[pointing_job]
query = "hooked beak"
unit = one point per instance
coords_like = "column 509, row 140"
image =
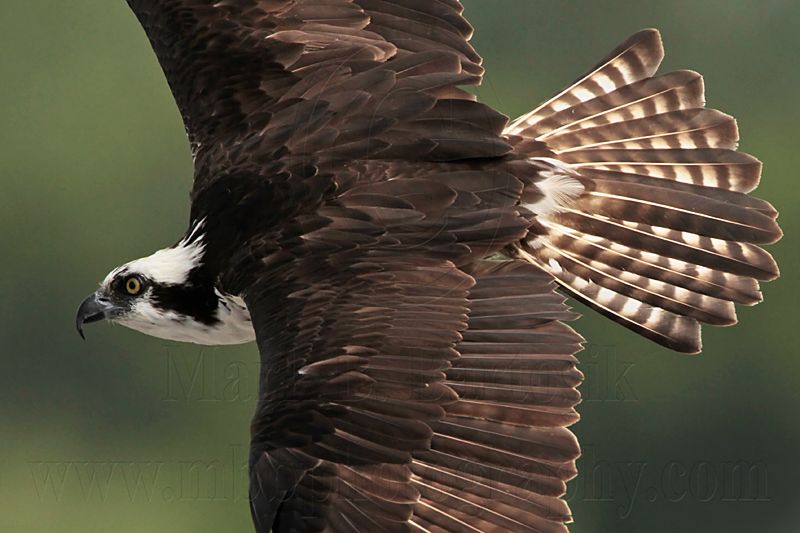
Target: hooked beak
column 92, row 309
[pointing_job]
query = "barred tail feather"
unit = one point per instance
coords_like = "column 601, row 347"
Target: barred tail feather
column 634, row 60
column 650, row 221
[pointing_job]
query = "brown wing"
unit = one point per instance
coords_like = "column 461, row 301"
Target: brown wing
column 358, row 309
column 403, row 394
column 271, row 86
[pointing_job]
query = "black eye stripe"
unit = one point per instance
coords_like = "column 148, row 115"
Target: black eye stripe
column 198, row 302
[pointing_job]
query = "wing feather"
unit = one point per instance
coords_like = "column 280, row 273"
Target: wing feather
column 471, row 426
column 261, row 83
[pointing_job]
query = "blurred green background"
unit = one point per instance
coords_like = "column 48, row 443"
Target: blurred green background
column 129, row 433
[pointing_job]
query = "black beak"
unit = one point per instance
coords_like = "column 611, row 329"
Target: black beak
column 92, row 309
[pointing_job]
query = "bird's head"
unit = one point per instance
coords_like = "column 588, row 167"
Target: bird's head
column 169, row 295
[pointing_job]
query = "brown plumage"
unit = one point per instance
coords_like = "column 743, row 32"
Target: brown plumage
column 397, row 243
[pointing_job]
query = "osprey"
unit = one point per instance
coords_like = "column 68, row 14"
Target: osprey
column 393, row 246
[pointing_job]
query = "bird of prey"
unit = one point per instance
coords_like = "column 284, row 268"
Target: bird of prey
column 392, row 245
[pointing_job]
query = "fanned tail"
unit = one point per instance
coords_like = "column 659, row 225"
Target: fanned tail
column 641, row 200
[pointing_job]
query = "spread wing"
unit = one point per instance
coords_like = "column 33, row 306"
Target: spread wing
column 403, row 394
column 298, row 86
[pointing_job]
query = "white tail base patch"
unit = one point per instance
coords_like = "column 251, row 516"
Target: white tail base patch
column 560, row 186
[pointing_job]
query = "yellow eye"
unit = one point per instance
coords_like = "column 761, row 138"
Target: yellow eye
column 133, row 285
